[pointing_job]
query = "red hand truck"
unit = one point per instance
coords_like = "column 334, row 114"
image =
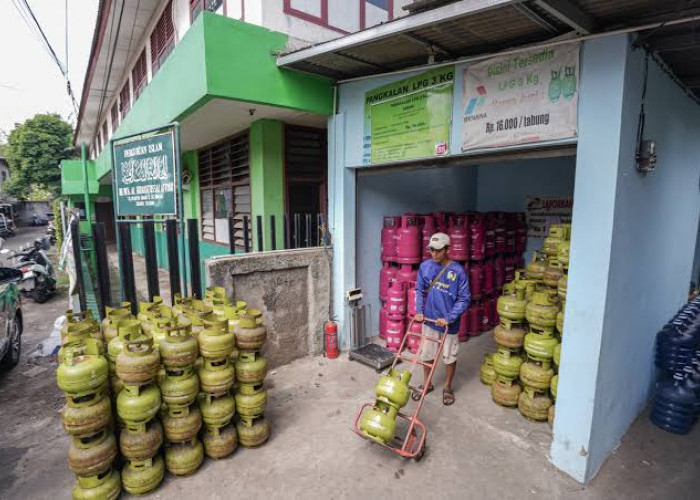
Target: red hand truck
column 412, row 443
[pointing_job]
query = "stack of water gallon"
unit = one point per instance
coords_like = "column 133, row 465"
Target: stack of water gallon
column 520, row 373
column 676, row 403
column 489, row 245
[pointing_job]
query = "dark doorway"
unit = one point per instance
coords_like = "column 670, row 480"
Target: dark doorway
column 104, row 212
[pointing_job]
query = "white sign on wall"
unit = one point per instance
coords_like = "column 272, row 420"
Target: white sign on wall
column 522, row 98
column 542, row 211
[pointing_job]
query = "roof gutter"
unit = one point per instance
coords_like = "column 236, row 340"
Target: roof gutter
column 452, row 11
column 97, row 38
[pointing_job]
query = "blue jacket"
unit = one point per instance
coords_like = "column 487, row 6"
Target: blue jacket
column 448, row 298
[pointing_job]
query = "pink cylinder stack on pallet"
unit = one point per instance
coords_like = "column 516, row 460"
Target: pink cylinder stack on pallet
column 490, row 245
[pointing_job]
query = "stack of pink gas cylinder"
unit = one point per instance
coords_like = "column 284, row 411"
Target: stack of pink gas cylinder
column 490, row 245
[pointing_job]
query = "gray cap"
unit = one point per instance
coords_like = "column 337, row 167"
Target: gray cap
column 438, row 241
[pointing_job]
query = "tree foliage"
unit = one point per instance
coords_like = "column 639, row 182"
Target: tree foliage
column 35, row 149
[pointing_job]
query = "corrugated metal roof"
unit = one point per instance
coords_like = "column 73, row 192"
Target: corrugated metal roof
column 497, row 25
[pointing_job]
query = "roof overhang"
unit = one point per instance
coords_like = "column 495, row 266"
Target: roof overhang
column 471, row 28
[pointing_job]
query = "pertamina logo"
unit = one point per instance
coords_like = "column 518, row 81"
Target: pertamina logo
column 474, row 104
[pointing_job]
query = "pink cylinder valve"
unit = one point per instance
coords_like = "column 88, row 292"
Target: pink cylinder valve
column 409, row 243
column 390, row 228
column 386, row 276
column 459, row 239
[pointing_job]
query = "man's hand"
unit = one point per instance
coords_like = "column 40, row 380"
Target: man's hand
column 418, row 318
column 441, row 322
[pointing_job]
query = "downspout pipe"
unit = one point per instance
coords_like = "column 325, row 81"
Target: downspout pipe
column 86, row 194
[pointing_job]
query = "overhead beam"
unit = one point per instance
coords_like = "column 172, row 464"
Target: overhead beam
column 429, row 44
column 360, row 61
column 449, row 12
column 535, row 18
column 568, row 13
column 674, row 42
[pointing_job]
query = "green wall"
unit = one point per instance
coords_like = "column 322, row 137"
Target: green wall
column 267, row 178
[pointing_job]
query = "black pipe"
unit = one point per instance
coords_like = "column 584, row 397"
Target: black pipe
column 287, row 244
column 149, row 242
column 246, row 235
column 259, row 222
column 232, row 234
column 173, row 258
column 103, row 282
column 126, row 262
column 307, row 239
column 273, row 233
column 195, row 269
column 75, row 237
column 297, row 231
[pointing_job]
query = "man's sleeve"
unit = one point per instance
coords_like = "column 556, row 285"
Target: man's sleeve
column 421, row 285
column 463, row 300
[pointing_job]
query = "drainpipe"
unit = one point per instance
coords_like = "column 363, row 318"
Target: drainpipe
column 86, row 194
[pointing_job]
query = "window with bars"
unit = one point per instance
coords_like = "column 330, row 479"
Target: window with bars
column 306, row 169
column 114, row 115
column 224, row 181
column 139, row 75
column 197, row 6
column 162, row 38
column 125, row 99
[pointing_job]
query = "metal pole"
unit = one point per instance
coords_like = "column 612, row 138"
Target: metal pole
column 173, row 260
column 307, row 238
column 181, row 215
column 287, row 244
column 319, row 221
column 232, row 234
column 258, row 219
column 64, row 228
column 86, row 192
column 126, row 263
column 75, row 237
column 246, row 235
column 273, row 233
column 297, row 231
column 105, row 287
column 149, row 243
column 193, row 237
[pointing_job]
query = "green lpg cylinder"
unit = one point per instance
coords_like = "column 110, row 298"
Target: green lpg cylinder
column 104, row 486
column 137, row 405
column 179, row 387
column 393, row 389
column 113, row 317
column 487, row 374
column 553, row 386
column 216, row 376
column 250, row 332
column 251, row 368
column 535, row 269
column 251, row 400
column 217, row 411
column 81, row 330
column 563, row 253
column 92, row 455
column 86, row 420
column 553, row 273
column 83, row 374
column 542, row 310
column 533, row 404
column 142, row 477
column 557, row 354
column 562, row 286
column 220, row 442
column 215, row 341
column 557, row 234
column 216, row 296
column 505, row 393
column 141, row 446
column 183, row 459
column 379, row 423
column 139, row 362
column 536, row 374
column 507, row 364
column 96, row 345
column 560, row 319
column 178, row 348
column 509, row 335
column 540, row 343
column 512, row 307
column 183, row 426
column 252, row 431
column 158, row 326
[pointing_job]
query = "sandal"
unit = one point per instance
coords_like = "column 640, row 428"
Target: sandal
column 416, row 394
column 448, row 397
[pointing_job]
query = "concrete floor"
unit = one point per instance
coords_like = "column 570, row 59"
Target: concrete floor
column 475, row 448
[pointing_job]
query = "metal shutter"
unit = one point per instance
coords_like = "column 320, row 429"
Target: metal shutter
column 306, row 153
column 138, row 74
column 162, row 38
column 124, row 100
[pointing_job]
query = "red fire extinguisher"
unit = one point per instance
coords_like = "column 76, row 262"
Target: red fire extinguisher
column 331, row 336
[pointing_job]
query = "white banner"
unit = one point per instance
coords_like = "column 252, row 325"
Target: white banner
column 542, row 211
column 523, row 98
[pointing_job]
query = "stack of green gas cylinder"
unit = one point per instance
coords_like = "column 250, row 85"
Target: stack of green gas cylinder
column 392, row 393
column 172, row 373
column 83, row 375
column 531, row 311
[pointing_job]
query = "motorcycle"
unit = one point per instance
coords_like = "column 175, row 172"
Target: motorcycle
column 38, row 276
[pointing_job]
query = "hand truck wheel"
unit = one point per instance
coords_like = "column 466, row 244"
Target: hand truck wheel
column 420, row 454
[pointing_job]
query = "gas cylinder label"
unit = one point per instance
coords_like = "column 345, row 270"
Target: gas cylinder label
column 523, row 98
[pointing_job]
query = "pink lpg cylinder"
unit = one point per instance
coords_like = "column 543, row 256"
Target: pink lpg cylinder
column 462, row 332
column 489, row 278
column 500, row 232
column 489, row 306
column 474, row 319
column 476, row 280
column 520, row 233
column 459, row 239
column 499, row 272
column 409, row 242
column 490, row 236
column 510, row 268
column 428, row 229
column 406, row 274
column 395, row 330
column 477, row 237
column 386, row 277
column 383, row 319
column 390, row 228
column 441, row 221
column 396, row 300
column 412, row 341
column 411, row 299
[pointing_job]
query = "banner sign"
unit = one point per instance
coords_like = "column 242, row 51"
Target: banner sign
column 523, row 98
column 410, row 118
column 542, row 211
column 144, row 176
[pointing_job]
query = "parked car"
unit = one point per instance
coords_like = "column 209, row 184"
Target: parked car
column 10, row 317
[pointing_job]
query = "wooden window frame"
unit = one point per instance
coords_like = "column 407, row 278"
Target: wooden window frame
column 124, row 100
column 139, row 84
column 162, row 38
column 323, row 20
column 202, row 8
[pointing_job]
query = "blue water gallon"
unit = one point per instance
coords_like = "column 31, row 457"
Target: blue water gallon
column 675, row 405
